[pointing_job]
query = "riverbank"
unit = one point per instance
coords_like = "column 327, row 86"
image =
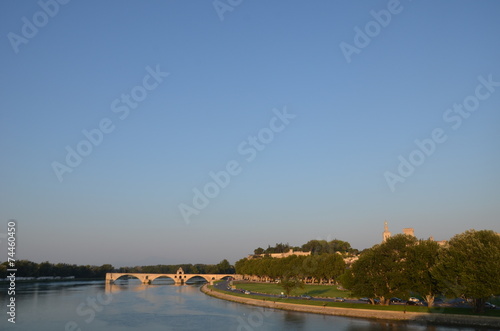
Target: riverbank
column 424, row 318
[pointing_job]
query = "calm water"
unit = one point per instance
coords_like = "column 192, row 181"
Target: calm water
column 131, row 306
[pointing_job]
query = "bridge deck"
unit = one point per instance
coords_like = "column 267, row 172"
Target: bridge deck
column 179, row 278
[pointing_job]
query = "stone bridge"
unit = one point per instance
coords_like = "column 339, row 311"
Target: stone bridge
column 179, row 278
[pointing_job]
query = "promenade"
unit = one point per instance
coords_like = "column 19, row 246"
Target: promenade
column 423, row 318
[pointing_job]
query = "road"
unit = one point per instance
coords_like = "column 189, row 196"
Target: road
column 224, row 286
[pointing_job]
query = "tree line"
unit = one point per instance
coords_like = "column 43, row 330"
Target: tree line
column 324, row 265
column 468, row 267
column 27, row 268
column 322, row 268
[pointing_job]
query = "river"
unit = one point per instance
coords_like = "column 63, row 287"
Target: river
column 74, row 306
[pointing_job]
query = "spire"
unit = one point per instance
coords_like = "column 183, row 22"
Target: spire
column 387, row 233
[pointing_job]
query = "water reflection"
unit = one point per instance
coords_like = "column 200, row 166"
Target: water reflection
column 130, row 305
column 293, row 320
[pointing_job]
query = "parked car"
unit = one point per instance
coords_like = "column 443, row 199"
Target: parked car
column 395, row 300
column 375, row 302
column 489, row 305
column 413, row 299
column 364, row 299
column 282, row 296
column 306, row 297
column 338, row 299
column 247, row 292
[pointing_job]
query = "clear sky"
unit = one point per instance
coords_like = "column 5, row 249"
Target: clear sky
column 114, row 113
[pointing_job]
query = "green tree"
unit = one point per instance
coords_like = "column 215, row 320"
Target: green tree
column 259, row 250
column 46, row 269
column 3, row 270
column 339, row 246
column 65, row 270
column 242, row 266
column 327, row 247
column 470, row 266
column 383, row 271
column 316, row 247
column 26, row 268
column 290, row 283
column 224, row 267
column 422, row 259
column 102, row 270
column 332, row 266
column 278, row 248
column 362, row 279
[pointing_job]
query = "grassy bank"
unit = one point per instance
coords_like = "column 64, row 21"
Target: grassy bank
column 332, row 291
column 323, row 291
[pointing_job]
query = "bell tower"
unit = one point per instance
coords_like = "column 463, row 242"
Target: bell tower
column 386, row 234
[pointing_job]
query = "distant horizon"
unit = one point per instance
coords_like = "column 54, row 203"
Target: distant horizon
column 121, row 265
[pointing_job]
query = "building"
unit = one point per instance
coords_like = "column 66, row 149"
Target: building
column 347, row 259
column 279, row 255
column 408, row 231
column 387, row 234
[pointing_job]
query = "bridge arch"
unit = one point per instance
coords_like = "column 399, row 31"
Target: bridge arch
column 210, row 278
column 127, row 276
column 142, row 278
column 168, row 277
column 189, row 277
column 227, row 276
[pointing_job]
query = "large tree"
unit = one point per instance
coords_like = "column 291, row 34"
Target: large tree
column 382, row 271
column 258, row 251
column 224, row 267
column 332, row 266
column 290, row 283
column 470, row 267
column 422, row 259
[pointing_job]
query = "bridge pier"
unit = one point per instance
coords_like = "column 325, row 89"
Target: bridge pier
column 146, row 280
column 180, row 277
column 109, row 278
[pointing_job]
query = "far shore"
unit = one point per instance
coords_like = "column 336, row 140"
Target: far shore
column 59, row 280
column 421, row 318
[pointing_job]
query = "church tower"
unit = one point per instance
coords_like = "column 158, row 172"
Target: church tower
column 386, row 234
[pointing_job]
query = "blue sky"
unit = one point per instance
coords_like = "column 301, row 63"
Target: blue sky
column 323, row 176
